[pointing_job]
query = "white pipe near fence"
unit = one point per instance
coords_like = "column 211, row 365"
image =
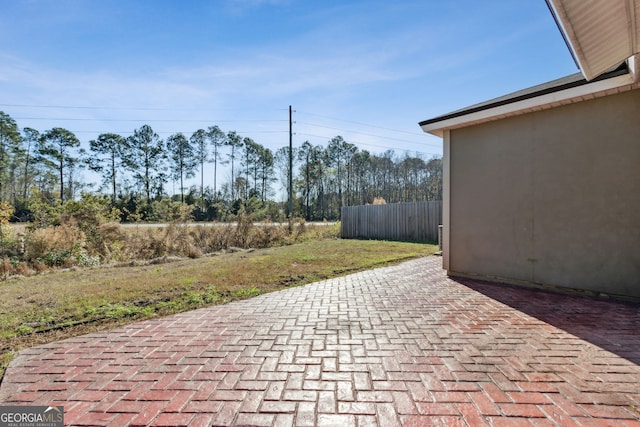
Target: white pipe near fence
column 417, row 222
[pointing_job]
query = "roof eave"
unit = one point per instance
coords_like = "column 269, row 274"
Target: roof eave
column 613, row 83
column 600, row 34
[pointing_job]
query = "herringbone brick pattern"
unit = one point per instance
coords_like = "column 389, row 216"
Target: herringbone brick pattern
column 396, row 346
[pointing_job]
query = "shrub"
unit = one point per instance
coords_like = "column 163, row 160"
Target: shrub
column 56, row 259
column 55, row 240
column 112, row 238
column 178, row 241
column 266, row 235
column 167, row 210
column 212, row 238
column 44, row 214
column 83, row 259
column 6, row 212
column 88, row 214
column 75, row 243
column 379, row 201
column 147, row 243
column 243, row 229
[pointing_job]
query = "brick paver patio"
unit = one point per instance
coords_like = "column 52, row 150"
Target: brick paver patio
column 401, row 345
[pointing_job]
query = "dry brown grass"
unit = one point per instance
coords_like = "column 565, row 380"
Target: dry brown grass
column 71, row 245
column 58, row 239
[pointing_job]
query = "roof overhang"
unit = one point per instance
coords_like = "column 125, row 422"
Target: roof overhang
column 559, row 92
column 601, row 34
column 604, row 39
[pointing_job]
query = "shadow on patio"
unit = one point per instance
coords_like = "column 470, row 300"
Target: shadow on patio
column 609, row 324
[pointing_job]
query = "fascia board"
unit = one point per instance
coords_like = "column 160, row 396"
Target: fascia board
column 562, row 19
column 555, row 98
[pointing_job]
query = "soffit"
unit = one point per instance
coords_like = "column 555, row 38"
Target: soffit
column 601, row 33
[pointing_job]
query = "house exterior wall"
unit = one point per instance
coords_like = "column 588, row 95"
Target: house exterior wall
column 550, row 197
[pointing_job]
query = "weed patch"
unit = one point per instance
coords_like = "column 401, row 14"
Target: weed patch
column 247, row 293
column 68, row 243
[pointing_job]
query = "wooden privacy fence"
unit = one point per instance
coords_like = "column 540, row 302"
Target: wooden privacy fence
column 416, row 222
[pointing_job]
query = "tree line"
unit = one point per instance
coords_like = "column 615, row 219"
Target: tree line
column 40, row 170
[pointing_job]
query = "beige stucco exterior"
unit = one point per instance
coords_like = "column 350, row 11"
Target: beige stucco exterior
column 551, row 197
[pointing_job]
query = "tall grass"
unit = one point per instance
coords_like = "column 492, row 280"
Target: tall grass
column 74, row 245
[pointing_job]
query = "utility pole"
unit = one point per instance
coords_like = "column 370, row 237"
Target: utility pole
column 290, row 163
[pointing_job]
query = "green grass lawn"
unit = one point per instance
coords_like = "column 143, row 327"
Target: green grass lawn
column 44, row 308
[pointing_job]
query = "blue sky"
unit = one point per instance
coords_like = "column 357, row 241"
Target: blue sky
column 366, row 70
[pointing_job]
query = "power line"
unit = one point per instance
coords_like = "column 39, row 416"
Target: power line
column 93, row 107
column 136, row 108
column 369, row 134
column 98, row 120
column 174, row 132
column 71, row 107
column 364, row 124
column 81, row 107
column 373, row 145
column 148, row 120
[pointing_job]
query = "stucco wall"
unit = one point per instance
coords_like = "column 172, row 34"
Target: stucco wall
column 551, row 197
